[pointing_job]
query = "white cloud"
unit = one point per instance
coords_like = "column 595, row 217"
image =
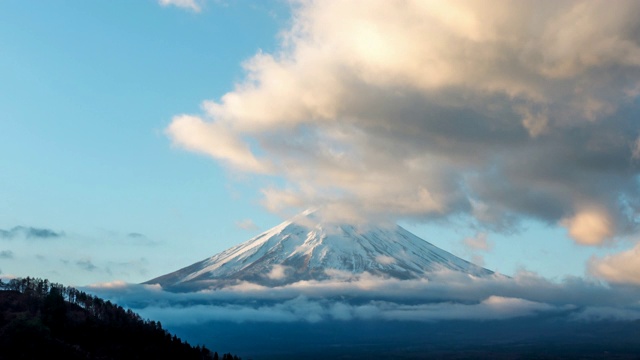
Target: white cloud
column 278, row 272
column 385, row 260
column 478, row 242
column 185, row 4
column 623, row 268
column 494, row 307
column 215, row 140
column 303, row 309
column 246, row 224
column 475, row 246
column 589, row 226
column 447, row 296
column 427, row 110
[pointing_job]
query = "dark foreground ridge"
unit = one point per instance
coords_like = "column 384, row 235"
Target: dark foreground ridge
column 40, row 319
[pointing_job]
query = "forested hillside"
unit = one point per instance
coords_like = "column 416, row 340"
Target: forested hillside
column 40, row 319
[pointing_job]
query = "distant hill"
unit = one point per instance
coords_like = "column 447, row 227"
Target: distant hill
column 39, row 319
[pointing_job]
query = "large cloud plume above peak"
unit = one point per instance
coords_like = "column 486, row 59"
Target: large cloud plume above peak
column 436, row 109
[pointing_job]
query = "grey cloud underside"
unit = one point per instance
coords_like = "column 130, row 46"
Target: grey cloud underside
column 306, row 248
column 545, row 177
column 476, row 156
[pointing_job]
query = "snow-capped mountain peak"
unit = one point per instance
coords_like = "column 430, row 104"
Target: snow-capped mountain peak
column 307, row 248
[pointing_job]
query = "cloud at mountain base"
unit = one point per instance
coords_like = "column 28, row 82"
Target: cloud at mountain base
column 447, row 296
column 438, row 110
column 303, row 309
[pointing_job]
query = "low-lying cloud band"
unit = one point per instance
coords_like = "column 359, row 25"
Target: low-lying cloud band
column 446, row 296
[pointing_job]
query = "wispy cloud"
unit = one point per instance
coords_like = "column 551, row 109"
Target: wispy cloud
column 29, row 232
column 6, row 254
column 247, row 224
column 478, row 242
column 137, row 266
column 497, row 117
column 192, row 5
column 86, row 264
column 141, row 239
column 474, row 246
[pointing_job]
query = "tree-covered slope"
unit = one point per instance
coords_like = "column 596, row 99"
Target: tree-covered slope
column 39, row 319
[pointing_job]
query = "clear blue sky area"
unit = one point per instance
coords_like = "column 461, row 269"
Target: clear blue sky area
column 86, row 90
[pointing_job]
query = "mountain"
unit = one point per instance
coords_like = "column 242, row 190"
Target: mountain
column 306, row 248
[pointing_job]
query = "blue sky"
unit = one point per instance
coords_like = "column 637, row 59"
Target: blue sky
column 101, row 102
column 87, row 90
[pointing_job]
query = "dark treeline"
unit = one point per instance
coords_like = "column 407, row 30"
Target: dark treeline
column 39, row 319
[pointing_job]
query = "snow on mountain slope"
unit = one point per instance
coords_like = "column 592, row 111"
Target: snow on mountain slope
column 305, row 248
